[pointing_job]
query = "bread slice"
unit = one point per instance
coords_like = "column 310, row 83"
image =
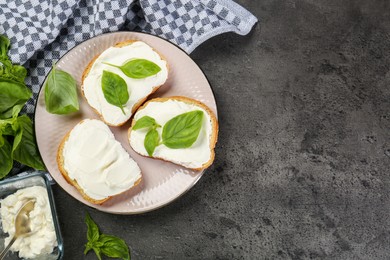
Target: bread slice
column 95, row 163
column 197, row 157
column 139, row 89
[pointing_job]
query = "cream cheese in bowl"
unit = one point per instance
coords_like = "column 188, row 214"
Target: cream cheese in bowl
column 43, row 238
column 45, row 241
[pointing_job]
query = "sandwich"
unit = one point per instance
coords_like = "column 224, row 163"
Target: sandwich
column 119, row 80
column 176, row 129
column 95, row 163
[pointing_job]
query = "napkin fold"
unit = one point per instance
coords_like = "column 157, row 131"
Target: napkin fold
column 42, row 31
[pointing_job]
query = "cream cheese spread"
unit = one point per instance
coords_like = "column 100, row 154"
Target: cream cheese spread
column 99, row 164
column 43, row 238
column 192, row 157
column 138, row 88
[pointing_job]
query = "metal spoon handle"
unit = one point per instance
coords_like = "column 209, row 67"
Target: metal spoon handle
column 5, row 251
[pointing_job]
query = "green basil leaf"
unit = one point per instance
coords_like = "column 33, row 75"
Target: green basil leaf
column 6, row 161
column 182, row 130
column 61, row 93
column 138, row 68
column 19, row 73
column 12, row 112
column 115, row 89
column 144, row 122
column 4, row 45
column 6, row 126
column 88, row 247
column 12, row 94
column 97, row 252
column 151, row 141
column 114, row 247
column 93, row 229
column 25, row 149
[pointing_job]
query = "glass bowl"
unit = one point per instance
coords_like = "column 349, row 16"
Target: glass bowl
column 10, row 186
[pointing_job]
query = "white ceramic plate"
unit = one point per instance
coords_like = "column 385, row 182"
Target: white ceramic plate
column 162, row 181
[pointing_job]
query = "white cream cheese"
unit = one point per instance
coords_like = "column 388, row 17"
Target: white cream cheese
column 43, row 238
column 192, row 157
column 99, row 164
column 138, row 88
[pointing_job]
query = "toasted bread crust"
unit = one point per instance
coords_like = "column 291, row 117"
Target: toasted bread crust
column 136, row 105
column 60, row 163
column 214, row 122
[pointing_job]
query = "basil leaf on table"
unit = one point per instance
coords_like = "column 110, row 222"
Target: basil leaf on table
column 182, row 130
column 6, row 161
column 151, row 141
column 114, row 247
column 24, row 148
column 108, row 245
column 144, row 122
column 138, row 68
column 61, row 93
column 93, row 230
column 12, row 94
column 92, row 235
column 115, row 89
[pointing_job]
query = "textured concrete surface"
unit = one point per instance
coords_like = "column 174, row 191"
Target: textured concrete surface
column 303, row 159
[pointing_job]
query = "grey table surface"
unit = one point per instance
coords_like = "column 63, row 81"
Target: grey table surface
column 302, row 168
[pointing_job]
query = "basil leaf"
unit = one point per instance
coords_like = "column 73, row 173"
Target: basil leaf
column 138, row 68
column 110, row 246
column 115, row 89
column 4, row 45
column 88, row 247
column 6, row 127
column 97, row 252
column 114, row 247
column 61, row 93
column 144, row 122
column 12, row 112
column 182, row 130
column 151, row 141
column 19, row 73
column 12, row 94
column 24, row 148
column 6, row 161
column 93, row 230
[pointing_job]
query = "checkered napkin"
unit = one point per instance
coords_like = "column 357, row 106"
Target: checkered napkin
column 42, row 31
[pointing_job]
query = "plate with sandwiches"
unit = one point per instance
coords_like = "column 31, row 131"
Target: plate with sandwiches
column 146, row 128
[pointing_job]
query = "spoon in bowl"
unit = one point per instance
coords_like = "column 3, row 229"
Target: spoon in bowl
column 22, row 224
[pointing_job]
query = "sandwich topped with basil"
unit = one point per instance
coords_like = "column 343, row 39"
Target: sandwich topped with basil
column 175, row 129
column 119, row 80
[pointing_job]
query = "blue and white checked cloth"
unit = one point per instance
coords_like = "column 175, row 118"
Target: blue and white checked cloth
column 42, row 31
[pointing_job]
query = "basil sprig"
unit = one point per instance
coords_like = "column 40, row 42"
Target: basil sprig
column 115, row 89
column 138, row 68
column 61, row 93
column 152, row 139
column 179, row 132
column 108, row 245
column 17, row 140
